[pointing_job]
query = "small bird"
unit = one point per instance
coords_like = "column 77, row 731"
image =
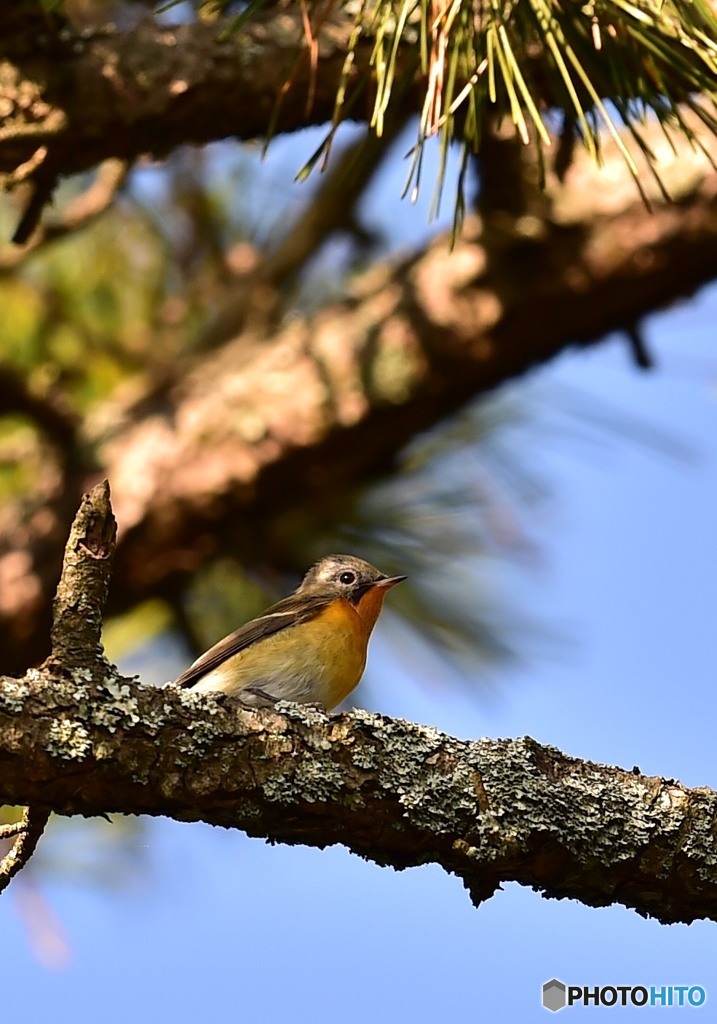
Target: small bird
column 309, row 648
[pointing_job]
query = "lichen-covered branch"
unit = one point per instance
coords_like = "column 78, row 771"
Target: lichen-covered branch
column 400, row 794
column 76, row 738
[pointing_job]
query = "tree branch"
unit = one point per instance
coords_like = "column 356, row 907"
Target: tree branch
column 74, row 98
column 145, row 91
column 76, row 738
column 489, row 811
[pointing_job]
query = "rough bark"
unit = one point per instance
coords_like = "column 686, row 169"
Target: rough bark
column 397, row 793
column 76, row 738
column 81, row 596
column 71, row 100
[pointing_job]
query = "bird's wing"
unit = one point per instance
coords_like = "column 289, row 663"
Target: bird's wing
column 289, row 612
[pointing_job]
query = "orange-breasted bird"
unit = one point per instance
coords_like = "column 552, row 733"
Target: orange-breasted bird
column 309, row 648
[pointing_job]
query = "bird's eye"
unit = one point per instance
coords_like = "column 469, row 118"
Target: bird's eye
column 347, row 578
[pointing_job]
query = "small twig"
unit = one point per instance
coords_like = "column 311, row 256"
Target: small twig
column 565, row 152
column 78, row 212
column 82, row 590
column 42, row 186
column 110, row 177
column 27, row 833
column 639, row 351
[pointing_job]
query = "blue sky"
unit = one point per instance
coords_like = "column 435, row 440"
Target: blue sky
column 211, row 923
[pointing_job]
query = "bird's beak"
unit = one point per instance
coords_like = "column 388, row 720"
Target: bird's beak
column 389, row 581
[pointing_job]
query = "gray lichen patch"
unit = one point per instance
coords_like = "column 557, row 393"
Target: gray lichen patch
column 365, row 756
column 14, row 694
column 304, row 778
column 69, row 740
column 307, row 714
column 120, row 711
column 207, row 703
column 442, row 801
column 319, row 780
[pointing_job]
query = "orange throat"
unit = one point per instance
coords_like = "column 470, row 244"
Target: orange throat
column 369, row 607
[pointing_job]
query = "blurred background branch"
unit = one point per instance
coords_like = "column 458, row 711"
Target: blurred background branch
column 230, row 451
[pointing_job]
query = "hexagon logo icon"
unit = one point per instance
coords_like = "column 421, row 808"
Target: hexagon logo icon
column 554, row 995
